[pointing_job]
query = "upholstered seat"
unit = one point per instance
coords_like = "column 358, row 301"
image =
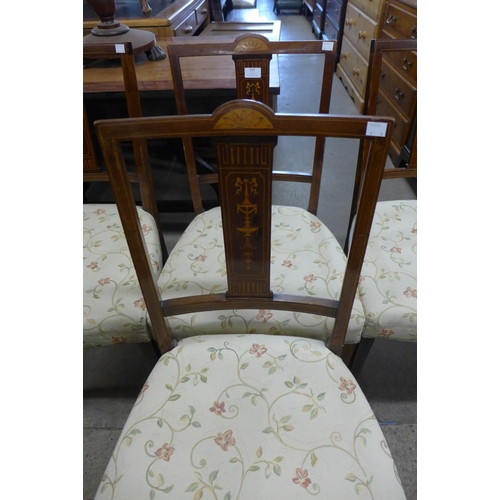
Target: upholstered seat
column 388, row 283
column 306, row 259
column 114, row 311
column 251, row 417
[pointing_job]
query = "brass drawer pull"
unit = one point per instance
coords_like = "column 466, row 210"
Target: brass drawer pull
column 362, row 34
column 349, row 22
column 187, row 29
column 356, row 71
column 414, row 32
column 391, row 19
column 399, row 95
column 407, row 64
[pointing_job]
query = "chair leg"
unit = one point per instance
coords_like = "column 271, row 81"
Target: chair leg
column 360, row 354
column 348, row 352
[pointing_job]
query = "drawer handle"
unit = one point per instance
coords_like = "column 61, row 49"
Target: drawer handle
column 399, row 95
column 407, row 64
column 382, row 76
column 204, row 11
column 362, row 35
column 391, row 19
column 187, row 29
column 344, row 55
column 356, row 72
column 414, row 32
column 349, row 22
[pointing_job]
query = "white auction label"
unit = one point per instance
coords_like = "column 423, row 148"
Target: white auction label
column 119, row 48
column 327, row 46
column 377, row 129
column 252, row 72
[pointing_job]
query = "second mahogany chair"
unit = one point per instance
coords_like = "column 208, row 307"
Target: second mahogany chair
column 243, row 414
column 388, row 283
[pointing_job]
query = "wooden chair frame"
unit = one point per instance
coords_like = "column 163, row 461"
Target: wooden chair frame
column 377, row 50
column 92, row 172
column 245, row 133
column 255, row 51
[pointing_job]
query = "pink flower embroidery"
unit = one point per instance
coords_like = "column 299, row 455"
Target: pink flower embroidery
column 409, row 292
column 301, row 478
column 140, row 303
column 347, row 385
column 104, row 281
column 145, row 387
column 287, row 263
column 385, row 333
column 201, row 258
column 165, row 452
column 118, row 340
column 258, row 349
column 146, row 229
column 315, row 225
column 414, row 230
column 310, row 278
column 225, row 440
column 264, row 316
column 396, row 250
column 218, row 408
column 93, row 265
column 361, row 279
column 99, row 211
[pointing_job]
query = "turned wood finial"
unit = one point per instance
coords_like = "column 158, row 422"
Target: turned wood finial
column 108, row 26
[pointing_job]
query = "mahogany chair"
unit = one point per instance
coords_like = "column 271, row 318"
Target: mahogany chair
column 388, row 284
column 243, row 414
column 252, row 54
column 113, row 310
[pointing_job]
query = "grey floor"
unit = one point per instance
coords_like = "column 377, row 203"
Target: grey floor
column 112, row 377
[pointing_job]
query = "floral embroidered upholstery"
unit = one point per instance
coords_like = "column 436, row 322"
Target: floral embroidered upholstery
column 113, row 308
column 251, row 417
column 388, row 283
column 305, row 259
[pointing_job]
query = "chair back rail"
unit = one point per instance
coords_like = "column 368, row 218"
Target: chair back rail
column 244, row 133
column 253, row 52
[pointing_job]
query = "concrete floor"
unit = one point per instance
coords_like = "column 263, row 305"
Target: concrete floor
column 112, row 377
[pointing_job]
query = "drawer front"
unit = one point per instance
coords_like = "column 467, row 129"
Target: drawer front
column 399, row 22
column 333, row 9
column 370, row 7
column 186, row 27
column 401, row 94
column 354, row 65
column 360, row 29
column 201, row 12
column 384, row 108
column 405, row 63
column 331, row 29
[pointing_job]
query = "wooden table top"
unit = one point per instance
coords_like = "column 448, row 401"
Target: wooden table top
column 199, row 73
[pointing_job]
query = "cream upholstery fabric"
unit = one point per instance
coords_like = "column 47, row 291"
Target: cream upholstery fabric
column 113, row 308
column 251, row 417
column 197, row 266
column 388, row 284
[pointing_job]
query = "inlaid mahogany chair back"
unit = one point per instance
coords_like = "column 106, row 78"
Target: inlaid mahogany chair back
column 242, row 414
column 112, row 299
column 388, row 286
column 244, row 133
column 252, row 54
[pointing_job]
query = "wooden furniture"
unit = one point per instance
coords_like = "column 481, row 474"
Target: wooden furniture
column 180, row 18
column 111, row 315
column 366, row 20
column 395, row 225
column 245, row 133
column 328, row 19
column 270, row 29
column 252, row 55
column 398, row 85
